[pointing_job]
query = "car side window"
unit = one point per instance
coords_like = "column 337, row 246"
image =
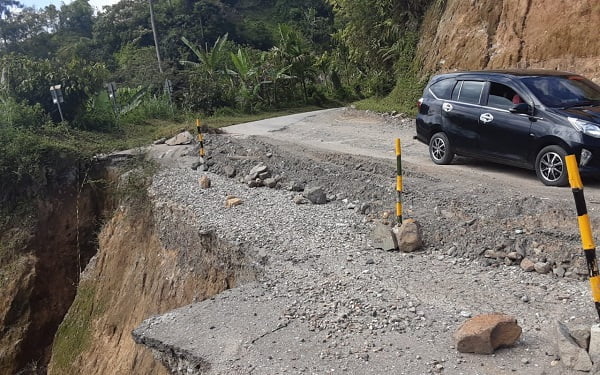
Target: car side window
column 443, row 89
column 502, row 96
column 470, row 92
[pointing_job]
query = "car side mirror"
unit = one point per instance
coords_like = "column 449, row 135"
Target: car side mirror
column 521, row 108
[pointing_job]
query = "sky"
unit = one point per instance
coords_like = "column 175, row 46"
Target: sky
column 96, row 4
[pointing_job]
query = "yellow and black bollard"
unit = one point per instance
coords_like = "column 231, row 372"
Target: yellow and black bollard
column 200, row 138
column 585, row 229
column 399, row 181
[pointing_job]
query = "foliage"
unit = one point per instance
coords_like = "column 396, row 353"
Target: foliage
column 29, row 80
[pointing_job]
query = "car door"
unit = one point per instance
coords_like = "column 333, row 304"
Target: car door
column 460, row 116
column 504, row 135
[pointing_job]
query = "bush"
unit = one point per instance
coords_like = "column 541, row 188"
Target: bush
column 21, row 115
column 97, row 116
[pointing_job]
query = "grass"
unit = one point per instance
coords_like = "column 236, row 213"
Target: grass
column 75, row 332
column 403, row 97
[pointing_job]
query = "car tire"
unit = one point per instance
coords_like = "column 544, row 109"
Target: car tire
column 550, row 166
column 440, row 149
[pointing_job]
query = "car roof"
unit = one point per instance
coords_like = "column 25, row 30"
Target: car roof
column 504, row 72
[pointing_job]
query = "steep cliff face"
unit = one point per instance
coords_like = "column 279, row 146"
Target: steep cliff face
column 40, row 266
column 492, row 34
column 149, row 261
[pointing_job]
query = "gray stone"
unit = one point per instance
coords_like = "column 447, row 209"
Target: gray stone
column 299, row 199
column 542, row 267
column 365, row 208
column 184, row 138
column 571, row 355
column 483, row 334
column 316, row 195
column 559, row 271
column 270, row 182
column 408, row 236
column 581, row 335
column 159, row 141
column 513, row 255
column 196, row 164
column 264, row 175
column 383, row 238
column 255, row 183
column 594, row 347
column 527, row 265
column 230, row 171
column 257, row 170
column 296, row 186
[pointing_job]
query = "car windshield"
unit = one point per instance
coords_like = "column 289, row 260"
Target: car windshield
column 564, row 91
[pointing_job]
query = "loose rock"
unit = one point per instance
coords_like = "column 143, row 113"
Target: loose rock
column 229, row 171
column 184, row 138
column 232, row 201
column 527, row 265
column 484, row 333
column 316, row 195
column 204, row 182
column 571, row 355
column 408, row 236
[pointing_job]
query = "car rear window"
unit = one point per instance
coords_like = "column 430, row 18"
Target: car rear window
column 443, row 89
column 468, row 92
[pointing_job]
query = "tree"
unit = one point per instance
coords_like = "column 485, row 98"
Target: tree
column 292, row 50
column 212, row 61
column 6, row 7
column 77, row 18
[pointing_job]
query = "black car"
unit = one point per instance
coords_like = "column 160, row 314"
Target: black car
column 526, row 118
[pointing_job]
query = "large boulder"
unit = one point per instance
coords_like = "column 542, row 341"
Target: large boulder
column 485, row 333
column 382, row 237
column 316, row 195
column 408, row 236
column 571, row 354
column 258, row 170
column 184, row 138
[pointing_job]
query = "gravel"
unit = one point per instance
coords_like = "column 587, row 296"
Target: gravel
column 364, row 309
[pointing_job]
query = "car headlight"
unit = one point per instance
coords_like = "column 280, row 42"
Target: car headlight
column 585, row 127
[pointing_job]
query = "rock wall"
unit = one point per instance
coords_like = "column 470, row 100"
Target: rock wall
column 149, row 261
column 499, row 34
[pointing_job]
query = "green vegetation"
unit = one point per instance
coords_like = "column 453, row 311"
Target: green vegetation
column 74, row 334
column 226, row 61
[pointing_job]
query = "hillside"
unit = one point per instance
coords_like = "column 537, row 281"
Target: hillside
column 491, row 34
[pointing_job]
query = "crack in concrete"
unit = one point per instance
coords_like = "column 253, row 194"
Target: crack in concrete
column 280, row 326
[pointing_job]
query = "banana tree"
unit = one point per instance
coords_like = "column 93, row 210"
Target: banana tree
column 211, row 59
column 246, row 74
column 293, row 50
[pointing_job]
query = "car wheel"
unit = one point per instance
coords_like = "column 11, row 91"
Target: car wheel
column 550, row 166
column 439, row 149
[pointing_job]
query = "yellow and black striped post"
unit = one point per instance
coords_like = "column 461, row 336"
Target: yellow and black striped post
column 399, row 181
column 585, row 229
column 200, row 138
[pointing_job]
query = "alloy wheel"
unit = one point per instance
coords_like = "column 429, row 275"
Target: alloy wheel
column 551, row 166
column 438, row 148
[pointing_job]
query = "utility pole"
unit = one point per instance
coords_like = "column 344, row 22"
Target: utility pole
column 155, row 36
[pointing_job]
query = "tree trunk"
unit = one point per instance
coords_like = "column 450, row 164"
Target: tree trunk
column 155, row 36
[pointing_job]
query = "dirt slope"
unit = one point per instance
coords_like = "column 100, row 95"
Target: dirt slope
column 492, row 34
column 148, row 262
